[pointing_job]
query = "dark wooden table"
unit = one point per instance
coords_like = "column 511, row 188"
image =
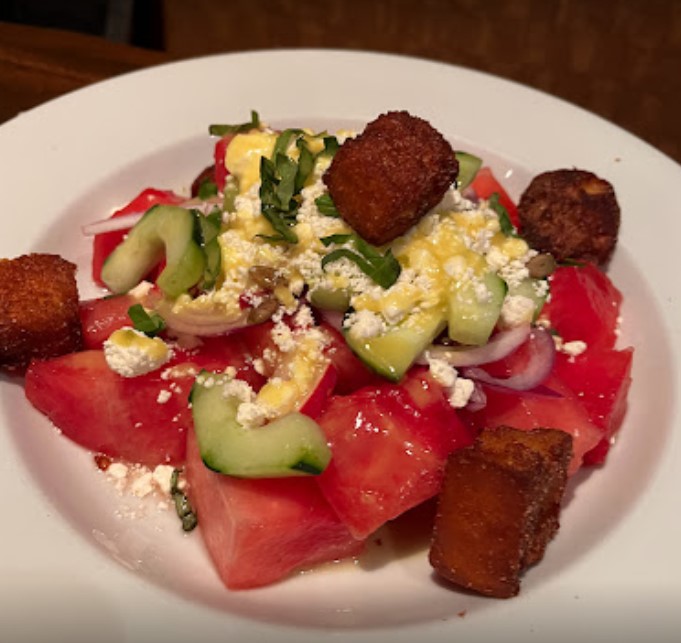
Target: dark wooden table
column 621, row 59
column 39, row 64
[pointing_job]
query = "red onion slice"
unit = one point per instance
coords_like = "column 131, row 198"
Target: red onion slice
column 127, row 221
column 333, row 318
column 540, row 364
column 477, row 400
column 501, row 345
column 113, row 224
column 200, row 323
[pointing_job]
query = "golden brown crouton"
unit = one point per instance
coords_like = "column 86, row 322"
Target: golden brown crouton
column 571, row 214
column 386, row 179
column 38, row 310
column 499, row 508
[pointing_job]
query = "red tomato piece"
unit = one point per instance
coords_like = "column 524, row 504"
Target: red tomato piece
column 485, row 185
column 221, row 172
column 259, row 531
column 389, row 450
column 104, row 244
column 531, row 410
column 584, row 305
column 101, row 317
column 352, row 373
column 600, row 379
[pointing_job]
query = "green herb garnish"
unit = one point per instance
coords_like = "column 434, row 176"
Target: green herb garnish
column 277, row 184
column 384, row 269
column 326, row 206
column 331, row 145
column 222, row 130
column 207, row 189
column 281, row 180
column 149, row 324
column 504, row 220
column 336, row 238
column 183, row 507
column 209, row 228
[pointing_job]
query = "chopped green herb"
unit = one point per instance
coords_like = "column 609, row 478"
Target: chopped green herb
column 384, row 269
column 336, row 238
column 229, row 194
column 575, row 263
column 278, row 206
column 183, row 507
column 331, row 145
column 222, row 130
column 207, row 189
column 504, row 220
column 284, row 140
column 210, row 226
column 305, row 164
column 149, row 324
column 326, row 206
column 281, row 182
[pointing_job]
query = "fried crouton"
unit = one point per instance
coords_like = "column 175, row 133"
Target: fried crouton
column 499, row 507
column 571, row 214
column 38, row 310
column 384, row 180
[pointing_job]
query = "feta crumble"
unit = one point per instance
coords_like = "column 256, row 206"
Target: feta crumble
column 131, row 353
column 459, row 389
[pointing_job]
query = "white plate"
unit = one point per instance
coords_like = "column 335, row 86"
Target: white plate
column 67, row 555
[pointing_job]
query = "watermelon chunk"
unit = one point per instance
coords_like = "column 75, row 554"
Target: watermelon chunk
column 532, row 410
column 389, row 446
column 259, row 531
column 584, row 305
column 101, row 317
column 600, row 379
column 129, row 418
column 106, row 413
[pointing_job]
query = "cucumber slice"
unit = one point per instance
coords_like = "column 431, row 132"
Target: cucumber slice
column 164, row 231
column 468, row 168
column 291, row 445
column 530, row 288
column 336, row 299
column 471, row 321
column 392, row 353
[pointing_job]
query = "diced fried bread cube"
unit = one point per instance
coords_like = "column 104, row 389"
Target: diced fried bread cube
column 499, row 507
column 38, row 309
column 384, row 180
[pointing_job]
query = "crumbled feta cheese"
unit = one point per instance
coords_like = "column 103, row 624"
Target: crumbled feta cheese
column 573, row 348
column 117, row 470
column 304, row 317
column 259, row 366
column 162, row 476
column 251, row 414
column 239, row 389
column 138, row 480
column 282, row 336
column 459, row 389
column 141, row 290
column 461, row 392
column 163, row 396
column 131, row 353
column 442, row 372
column 517, row 310
column 142, row 485
column 364, row 324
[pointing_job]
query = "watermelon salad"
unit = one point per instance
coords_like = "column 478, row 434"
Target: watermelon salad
column 304, row 386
